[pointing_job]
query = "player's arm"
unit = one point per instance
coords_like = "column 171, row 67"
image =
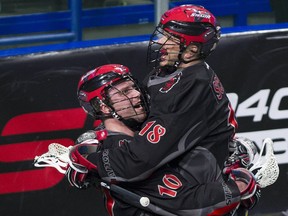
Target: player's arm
column 163, row 137
column 155, row 145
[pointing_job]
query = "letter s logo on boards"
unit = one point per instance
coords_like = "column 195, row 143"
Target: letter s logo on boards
column 27, row 135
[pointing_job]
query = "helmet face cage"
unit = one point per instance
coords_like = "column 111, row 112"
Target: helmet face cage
column 155, row 49
column 190, row 24
column 92, row 83
column 108, row 101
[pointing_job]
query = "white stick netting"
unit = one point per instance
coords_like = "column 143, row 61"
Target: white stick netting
column 266, row 168
column 57, row 157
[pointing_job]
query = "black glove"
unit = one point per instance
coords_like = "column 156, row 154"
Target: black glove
column 81, row 170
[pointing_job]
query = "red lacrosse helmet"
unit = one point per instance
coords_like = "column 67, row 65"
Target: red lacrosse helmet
column 190, row 24
column 93, row 87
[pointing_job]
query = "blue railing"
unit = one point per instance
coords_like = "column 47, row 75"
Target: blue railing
column 69, row 24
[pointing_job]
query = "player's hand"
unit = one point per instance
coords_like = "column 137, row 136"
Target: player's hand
column 80, row 170
column 242, row 151
column 248, row 187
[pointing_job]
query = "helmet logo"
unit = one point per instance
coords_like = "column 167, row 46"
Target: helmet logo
column 171, row 83
column 197, row 14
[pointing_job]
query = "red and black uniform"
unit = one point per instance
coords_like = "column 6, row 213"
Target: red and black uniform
column 189, row 109
column 173, row 192
column 190, row 117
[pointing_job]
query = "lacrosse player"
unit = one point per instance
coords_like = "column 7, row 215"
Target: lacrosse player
column 112, row 95
column 189, row 109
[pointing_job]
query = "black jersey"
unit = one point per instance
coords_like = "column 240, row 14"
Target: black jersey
column 173, row 192
column 189, row 110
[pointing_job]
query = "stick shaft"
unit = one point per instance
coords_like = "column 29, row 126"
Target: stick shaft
column 134, row 199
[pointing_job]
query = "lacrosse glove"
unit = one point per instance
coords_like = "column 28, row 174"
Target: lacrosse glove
column 242, row 152
column 250, row 195
column 81, row 172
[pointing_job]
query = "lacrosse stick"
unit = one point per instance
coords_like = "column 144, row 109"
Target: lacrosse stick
column 135, row 199
column 57, row 157
column 266, row 169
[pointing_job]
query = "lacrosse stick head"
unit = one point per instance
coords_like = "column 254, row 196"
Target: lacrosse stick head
column 57, row 157
column 266, row 169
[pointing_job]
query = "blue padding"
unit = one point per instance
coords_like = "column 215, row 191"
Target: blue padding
column 73, row 45
column 224, row 7
column 35, row 23
column 56, row 21
column 123, row 40
column 69, row 36
column 118, row 15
